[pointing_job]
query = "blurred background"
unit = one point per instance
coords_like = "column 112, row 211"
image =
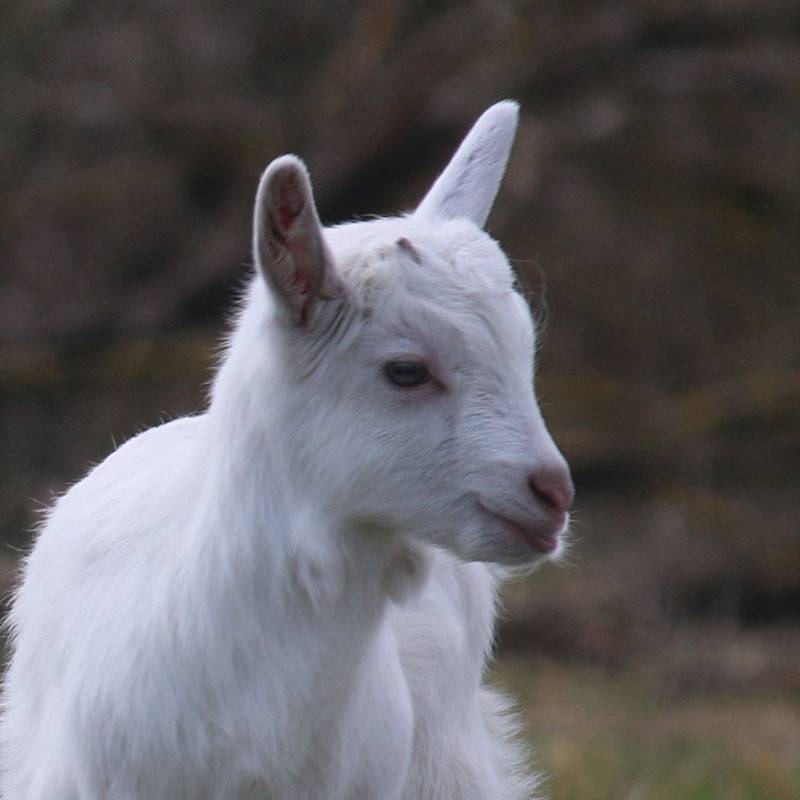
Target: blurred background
column 652, row 200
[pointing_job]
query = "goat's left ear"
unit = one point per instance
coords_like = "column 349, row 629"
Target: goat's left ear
column 288, row 244
column 469, row 183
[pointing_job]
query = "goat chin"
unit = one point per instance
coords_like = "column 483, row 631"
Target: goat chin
column 285, row 596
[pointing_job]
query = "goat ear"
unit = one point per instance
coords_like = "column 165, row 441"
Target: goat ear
column 288, row 244
column 469, row 183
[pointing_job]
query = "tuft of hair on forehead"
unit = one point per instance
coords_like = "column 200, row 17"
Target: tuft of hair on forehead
column 453, row 260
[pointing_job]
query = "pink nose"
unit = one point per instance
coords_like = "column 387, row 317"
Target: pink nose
column 552, row 485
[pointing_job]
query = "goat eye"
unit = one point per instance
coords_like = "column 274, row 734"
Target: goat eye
column 406, row 373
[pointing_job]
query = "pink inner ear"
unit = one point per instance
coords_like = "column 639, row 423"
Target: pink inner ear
column 300, row 283
column 288, row 199
column 276, row 233
column 291, row 221
column 288, row 205
column 289, row 208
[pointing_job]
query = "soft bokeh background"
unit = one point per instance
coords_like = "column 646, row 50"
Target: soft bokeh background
column 655, row 189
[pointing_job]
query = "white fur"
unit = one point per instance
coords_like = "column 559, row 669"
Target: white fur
column 284, row 597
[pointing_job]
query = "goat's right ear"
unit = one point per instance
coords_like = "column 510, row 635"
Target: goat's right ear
column 288, row 245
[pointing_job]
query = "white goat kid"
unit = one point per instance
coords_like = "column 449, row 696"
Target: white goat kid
column 284, row 597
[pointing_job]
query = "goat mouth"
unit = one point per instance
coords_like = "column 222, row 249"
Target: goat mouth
column 543, row 541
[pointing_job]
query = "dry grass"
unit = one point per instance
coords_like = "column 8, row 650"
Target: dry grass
column 650, row 669
column 605, row 735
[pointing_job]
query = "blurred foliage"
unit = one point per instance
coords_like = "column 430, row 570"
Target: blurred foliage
column 651, row 204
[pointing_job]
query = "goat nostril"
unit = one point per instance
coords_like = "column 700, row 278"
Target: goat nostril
column 553, row 488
